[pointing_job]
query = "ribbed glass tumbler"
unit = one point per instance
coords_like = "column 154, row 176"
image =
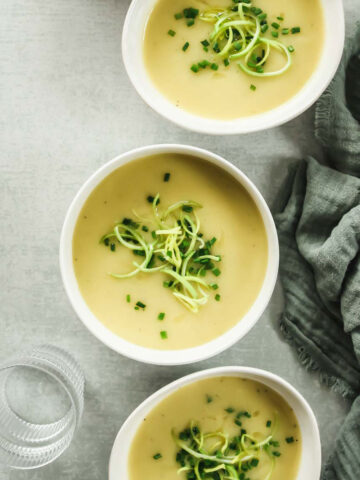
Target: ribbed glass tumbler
column 28, row 445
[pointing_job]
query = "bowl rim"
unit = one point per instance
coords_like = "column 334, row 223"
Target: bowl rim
column 334, row 22
column 266, row 377
column 150, row 355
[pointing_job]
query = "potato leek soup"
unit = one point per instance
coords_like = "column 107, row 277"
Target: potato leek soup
column 226, row 59
column 218, row 428
column 169, row 251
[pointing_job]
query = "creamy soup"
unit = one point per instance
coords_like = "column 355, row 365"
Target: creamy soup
column 228, row 405
column 229, row 217
column 171, row 48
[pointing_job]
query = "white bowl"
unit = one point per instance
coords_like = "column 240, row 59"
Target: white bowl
column 148, row 355
column 132, row 52
column 310, row 462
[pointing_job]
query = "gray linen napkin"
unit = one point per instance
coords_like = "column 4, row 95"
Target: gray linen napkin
column 318, row 223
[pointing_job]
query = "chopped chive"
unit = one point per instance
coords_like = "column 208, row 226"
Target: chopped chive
column 190, row 12
column 113, row 247
column 217, row 297
column 205, row 43
column 295, row 30
column 178, row 15
column 194, row 68
column 163, row 334
column 229, row 410
column 252, row 87
column 150, row 198
column 238, row 422
column 209, row 399
column 216, row 272
column 214, row 66
column 274, row 443
column 190, row 22
column 185, row 46
column 144, row 228
column 203, row 64
column 226, row 62
column 157, row 456
column 166, row 177
column 268, row 423
column 106, row 242
column 285, row 31
column 289, row 439
column 280, row 18
column 254, row 462
column 256, row 11
column 291, row 49
column 161, row 316
column 140, row 304
column 275, row 34
column 168, row 284
column 171, row 33
column 262, row 16
column 153, row 234
column 264, row 28
column 237, row 46
column 136, row 308
column 187, row 208
column 275, row 25
column 214, row 286
column 276, row 454
column 205, row 49
column 128, row 298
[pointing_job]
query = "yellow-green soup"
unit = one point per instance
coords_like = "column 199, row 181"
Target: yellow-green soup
column 229, row 214
column 231, row 406
column 228, row 93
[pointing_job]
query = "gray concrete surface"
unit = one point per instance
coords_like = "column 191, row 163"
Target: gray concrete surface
column 66, row 107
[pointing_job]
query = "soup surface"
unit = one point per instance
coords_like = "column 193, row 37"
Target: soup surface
column 228, row 92
column 228, row 214
column 230, row 405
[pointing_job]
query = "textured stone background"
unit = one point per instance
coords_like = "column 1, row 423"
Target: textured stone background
column 67, row 107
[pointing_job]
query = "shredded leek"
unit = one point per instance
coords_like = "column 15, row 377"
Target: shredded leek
column 171, row 244
column 237, row 37
column 229, row 457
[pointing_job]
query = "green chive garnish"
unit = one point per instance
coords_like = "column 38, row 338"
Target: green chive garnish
column 265, row 28
column 171, row 33
column 161, row 316
column 285, row 31
column 275, row 34
column 163, row 334
column 185, row 46
column 226, row 62
column 209, row 399
column 275, row 25
column 128, row 298
column 191, row 12
column 166, row 177
column 280, row 18
column 229, row 410
column 295, row 30
column 214, row 66
column 178, row 16
column 140, row 304
column 205, row 43
column 276, row 454
column 113, row 247
column 217, row 297
column 268, row 423
column 157, row 456
column 194, row 68
column 144, row 228
column 291, row 49
column 187, row 208
column 214, row 286
column 289, row 439
column 216, row 272
column 190, row 22
column 252, row 87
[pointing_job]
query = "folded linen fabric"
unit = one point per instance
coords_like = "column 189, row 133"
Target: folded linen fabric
column 318, row 223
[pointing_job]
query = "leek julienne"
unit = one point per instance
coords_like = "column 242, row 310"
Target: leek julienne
column 174, row 247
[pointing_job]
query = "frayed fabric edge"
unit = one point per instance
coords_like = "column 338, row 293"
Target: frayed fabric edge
column 336, row 384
